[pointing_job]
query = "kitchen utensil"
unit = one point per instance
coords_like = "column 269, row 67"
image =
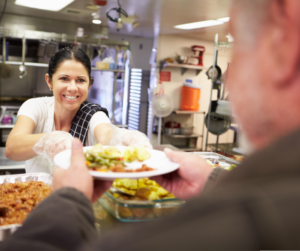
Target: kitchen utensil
column 198, row 52
column 187, row 130
column 6, row 71
column 22, row 68
column 171, row 131
column 181, row 59
column 218, row 71
column 158, row 161
column 172, row 127
column 218, row 124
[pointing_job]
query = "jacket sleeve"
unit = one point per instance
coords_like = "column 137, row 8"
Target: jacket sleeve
column 214, row 177
column 63, row 221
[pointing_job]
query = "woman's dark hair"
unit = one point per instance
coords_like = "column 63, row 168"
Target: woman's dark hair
column 68, row 53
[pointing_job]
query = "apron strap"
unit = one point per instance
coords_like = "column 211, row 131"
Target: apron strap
column 80, row 123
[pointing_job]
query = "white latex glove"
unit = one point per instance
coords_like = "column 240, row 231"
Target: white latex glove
column 53, row 143
column 125, row 137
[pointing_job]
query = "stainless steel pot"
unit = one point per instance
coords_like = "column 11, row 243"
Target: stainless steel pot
column 181, row 59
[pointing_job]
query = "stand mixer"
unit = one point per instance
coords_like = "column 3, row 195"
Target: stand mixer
column 198, row 52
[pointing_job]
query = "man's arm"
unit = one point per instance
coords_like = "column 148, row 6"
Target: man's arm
column 63, row 221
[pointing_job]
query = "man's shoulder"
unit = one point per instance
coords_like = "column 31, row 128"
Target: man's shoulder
column 281, row 159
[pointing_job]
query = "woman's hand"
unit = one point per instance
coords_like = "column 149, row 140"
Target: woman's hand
column 125, row 137
column 53, row 143
column 189, row 180
column 77, row 176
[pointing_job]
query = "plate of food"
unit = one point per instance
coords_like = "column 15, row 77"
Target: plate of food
column 110, row 163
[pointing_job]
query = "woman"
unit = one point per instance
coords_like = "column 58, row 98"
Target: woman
column 46, row 125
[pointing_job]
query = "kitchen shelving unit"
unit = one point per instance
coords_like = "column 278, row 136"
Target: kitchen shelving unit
column 51, row 36
column 187, row 137
column 184, row 67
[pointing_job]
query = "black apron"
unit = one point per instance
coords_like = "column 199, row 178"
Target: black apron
column 80, row 123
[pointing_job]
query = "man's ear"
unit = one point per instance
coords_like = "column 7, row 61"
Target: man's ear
column 48, row 81
column 281, row 43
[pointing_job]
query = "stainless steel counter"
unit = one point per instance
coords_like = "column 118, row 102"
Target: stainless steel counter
column 7, row 164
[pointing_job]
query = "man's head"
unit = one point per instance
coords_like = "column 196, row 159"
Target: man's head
column 264, row 77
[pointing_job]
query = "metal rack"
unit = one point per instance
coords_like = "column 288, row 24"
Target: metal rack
column 216, row 46
column 62, row 37
column 187, row 137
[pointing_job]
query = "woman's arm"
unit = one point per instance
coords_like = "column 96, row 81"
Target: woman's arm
column 103, row 133
column 20, row 141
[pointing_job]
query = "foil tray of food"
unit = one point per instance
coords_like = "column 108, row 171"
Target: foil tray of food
column 19, row 194
column 218, row 160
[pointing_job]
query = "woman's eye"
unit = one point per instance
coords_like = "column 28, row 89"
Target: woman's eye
column 81, row 80
column 63, row 78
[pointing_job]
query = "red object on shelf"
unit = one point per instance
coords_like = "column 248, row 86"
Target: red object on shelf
column 198, row 51
column 165, row 76
column 170, row 125
column 100, row 2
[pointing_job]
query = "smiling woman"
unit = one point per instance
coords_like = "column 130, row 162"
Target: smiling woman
column 45, row 126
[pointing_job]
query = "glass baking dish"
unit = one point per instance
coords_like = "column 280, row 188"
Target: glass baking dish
column 139, row 210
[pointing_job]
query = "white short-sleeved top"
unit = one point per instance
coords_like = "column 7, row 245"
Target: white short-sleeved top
column 41, row 111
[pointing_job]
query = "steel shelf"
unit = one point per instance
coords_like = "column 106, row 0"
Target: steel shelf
column 183, row 136
column 187, row 112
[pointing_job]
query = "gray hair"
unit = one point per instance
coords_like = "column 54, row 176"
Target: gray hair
column 251, row 17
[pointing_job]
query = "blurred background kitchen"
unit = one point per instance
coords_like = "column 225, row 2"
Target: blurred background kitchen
column 159, row 66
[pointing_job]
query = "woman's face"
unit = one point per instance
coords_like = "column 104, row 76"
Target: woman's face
column 70, row 84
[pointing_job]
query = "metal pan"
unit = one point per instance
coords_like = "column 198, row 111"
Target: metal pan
column 218, row 124
column 7, row 230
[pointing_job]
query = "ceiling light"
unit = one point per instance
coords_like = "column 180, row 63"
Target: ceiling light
column 197, row 25
column 202, row 24
column 97, row 21
column 224, row 19
column 52, row 5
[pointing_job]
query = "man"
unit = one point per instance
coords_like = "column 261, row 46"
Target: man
column 255, row 206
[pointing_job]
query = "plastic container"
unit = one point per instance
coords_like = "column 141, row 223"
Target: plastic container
column 190, row 96
column 112, row 66
column 139, row 210
column 7, row 120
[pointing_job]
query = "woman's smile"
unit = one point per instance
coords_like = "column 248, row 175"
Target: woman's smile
column 70, row 98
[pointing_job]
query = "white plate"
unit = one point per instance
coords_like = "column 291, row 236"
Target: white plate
column 158, row 161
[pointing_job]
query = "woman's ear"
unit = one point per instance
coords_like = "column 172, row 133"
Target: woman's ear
column 91, row 82
column 48, row 81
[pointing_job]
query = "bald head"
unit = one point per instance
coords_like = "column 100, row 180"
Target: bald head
column 264, row 77
column 251, row 16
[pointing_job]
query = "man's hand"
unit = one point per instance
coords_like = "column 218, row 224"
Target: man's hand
column 77, row 176
column 189, row 180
